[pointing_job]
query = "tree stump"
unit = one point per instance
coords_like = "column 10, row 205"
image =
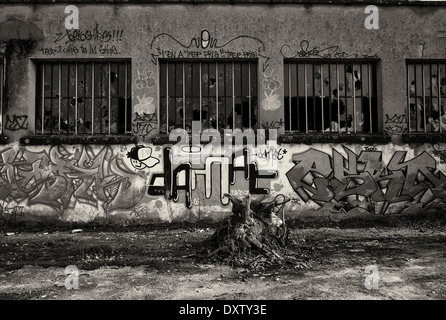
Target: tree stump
column 256, row 231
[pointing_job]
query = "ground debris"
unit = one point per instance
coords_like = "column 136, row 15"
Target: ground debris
column 255, row 236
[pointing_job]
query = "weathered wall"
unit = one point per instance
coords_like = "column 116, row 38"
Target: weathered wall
column 83, row 182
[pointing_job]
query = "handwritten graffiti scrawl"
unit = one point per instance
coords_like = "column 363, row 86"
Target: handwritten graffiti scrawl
column 365, row 178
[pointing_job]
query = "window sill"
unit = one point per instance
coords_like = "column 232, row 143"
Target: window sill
column 310, row 138
column 77, row 139
column 425, row 137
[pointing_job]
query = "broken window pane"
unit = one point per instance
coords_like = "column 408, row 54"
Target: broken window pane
column 83, row 97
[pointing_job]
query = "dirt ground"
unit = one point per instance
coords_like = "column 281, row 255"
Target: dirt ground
column 162, row 263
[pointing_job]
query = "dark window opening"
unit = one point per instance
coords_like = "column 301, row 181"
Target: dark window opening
column 219, row 94
column 83, row 97
column 331, row 96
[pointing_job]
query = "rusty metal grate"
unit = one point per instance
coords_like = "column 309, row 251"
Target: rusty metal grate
column 2, row 85
column 83, row 97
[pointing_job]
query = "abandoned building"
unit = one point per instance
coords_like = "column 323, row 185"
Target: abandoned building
column 349, row 97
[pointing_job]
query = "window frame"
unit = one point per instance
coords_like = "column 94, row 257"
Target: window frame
column 253, row 68
column 429, row 62
column 373, row 82
column 2, row 90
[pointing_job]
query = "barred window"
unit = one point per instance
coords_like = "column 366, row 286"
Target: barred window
column 2, row 83
column 219, row 94
column 331, row 96
column 426, row 95
column 83, row 97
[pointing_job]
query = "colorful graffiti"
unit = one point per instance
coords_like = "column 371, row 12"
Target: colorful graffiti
column 60, row 177
column 364, row 180
column 171, row 186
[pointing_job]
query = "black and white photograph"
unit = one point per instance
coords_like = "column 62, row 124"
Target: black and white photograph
column 216, row 158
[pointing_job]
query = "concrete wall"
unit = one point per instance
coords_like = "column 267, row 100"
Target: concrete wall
column 81, row 180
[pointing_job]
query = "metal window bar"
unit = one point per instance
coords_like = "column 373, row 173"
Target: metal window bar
column 184, row 97
column 249, row 94
column 75, row 102
column 322, row 97
column 85, row 99
column 306, row 98
column 329, row 97
column 201, row 98
column 126, row 97
column 289, row 95
column 370, row 96
column 314, row 98
column 416, row 98
column 408, row 97
column 233, row 97
column 2, row 83
column 424, row 98
column 43, row 99
column 92, row 97
column 362, row 99
column 109, row 98
column 167, row 97
column 216, row 94
column 51, row 97
column 338, row 97
column 297, row 98
column 59, row 94
column 345, row 97
column 354, row 101
column 431, row 97
column 438, row 94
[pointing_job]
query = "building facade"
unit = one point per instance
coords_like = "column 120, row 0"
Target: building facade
column 154, row 110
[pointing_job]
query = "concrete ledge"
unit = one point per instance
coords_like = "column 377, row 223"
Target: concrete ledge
column 424, row 137
column 78, row 139
column 334, row 138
